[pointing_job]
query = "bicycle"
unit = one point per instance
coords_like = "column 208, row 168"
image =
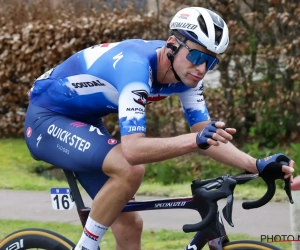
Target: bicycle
column 205, row 194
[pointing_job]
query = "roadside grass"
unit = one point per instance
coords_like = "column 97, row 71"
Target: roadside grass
column 17, row 172
column 241, row 192
column 151, row 239
column 17, row 168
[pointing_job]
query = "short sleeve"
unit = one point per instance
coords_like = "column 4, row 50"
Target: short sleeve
column 133, row 99
column 193, row 104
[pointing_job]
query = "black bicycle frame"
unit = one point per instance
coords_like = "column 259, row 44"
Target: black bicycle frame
column 214, row 235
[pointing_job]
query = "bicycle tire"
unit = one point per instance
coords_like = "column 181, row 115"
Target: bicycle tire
column 248, row 245
column 36, row 238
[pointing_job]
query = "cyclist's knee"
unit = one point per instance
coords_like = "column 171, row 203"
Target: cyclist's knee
column 134, row 174
column 126, row 173
column 131, row 176
column 116, row 167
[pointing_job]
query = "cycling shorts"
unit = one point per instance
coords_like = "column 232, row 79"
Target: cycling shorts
column 69, row 144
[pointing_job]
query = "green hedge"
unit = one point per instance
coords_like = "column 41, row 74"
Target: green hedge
column 264, row 40
column 186, row 168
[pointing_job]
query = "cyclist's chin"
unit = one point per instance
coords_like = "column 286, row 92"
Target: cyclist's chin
column 192, row 83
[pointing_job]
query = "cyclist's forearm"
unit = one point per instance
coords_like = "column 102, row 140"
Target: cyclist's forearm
column 229, row 155
column 146, row 150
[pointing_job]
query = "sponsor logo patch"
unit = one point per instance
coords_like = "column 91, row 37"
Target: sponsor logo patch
column 112, row 141
column 29, row 132
column 90, row 235
column 67, row 138
column 143, row 95
column 117, row 58
column 184, row 25
column 136, row 110
column 87, row 84
column 137, row 129
column 38, row 140
column 184, row 16
column 78, row 124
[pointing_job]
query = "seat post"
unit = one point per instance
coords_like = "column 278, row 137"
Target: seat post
column 74, row 189
column 82, row 210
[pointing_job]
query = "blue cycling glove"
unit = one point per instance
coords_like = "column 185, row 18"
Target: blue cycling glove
column 271, row 167
column 205, row 134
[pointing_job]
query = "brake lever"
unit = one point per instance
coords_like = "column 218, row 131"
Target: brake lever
column 288, row 190
column 287, row 185
column 223, row 189
column 227, row 210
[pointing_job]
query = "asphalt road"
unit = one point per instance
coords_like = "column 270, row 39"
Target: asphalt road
column 272, row 219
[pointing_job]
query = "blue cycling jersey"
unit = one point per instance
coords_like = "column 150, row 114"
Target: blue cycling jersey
column 114, row 78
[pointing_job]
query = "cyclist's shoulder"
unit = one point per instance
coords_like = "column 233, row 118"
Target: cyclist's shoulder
column 134, row 46
column 118, row 56
column 141, row 44
column 139, row 50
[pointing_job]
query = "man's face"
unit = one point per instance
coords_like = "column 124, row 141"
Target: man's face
column 189, row 73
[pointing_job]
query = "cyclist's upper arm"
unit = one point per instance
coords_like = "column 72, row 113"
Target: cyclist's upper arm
column 128, row 141
column 133, row 90
column 194, row 106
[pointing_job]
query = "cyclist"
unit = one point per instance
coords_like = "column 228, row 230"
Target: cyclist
column 63, row 123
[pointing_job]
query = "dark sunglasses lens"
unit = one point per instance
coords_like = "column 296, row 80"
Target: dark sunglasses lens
column 211, row 63
column 197, row 57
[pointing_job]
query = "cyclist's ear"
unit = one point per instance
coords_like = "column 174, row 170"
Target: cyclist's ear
column 172, row 43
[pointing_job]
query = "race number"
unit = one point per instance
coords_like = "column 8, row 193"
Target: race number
column 61, row 199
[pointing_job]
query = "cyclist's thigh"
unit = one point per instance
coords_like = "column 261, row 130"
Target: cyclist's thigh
column 92, row 181
column 67, row 143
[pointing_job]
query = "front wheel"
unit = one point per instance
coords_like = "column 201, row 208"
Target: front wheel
column 248, row 245
column 36, row 238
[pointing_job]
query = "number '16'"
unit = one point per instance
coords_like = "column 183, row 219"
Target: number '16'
column 64, row 201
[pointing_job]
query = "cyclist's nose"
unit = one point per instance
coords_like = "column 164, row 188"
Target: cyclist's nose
column 202, row 67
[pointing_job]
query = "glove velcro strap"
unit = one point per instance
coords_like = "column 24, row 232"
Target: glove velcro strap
column 272, row 171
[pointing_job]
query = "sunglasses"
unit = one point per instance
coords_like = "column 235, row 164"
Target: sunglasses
column 198, row 57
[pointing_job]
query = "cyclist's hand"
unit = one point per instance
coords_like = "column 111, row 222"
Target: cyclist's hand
column 214, row 132
column 270, row 167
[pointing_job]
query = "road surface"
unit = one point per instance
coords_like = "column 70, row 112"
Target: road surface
column 272, row 219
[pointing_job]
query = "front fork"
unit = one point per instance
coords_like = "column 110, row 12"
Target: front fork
column 214, row 235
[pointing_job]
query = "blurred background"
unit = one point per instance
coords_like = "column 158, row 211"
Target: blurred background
column 255, row 87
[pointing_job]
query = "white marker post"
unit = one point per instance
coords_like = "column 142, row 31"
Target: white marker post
column 295, row 212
